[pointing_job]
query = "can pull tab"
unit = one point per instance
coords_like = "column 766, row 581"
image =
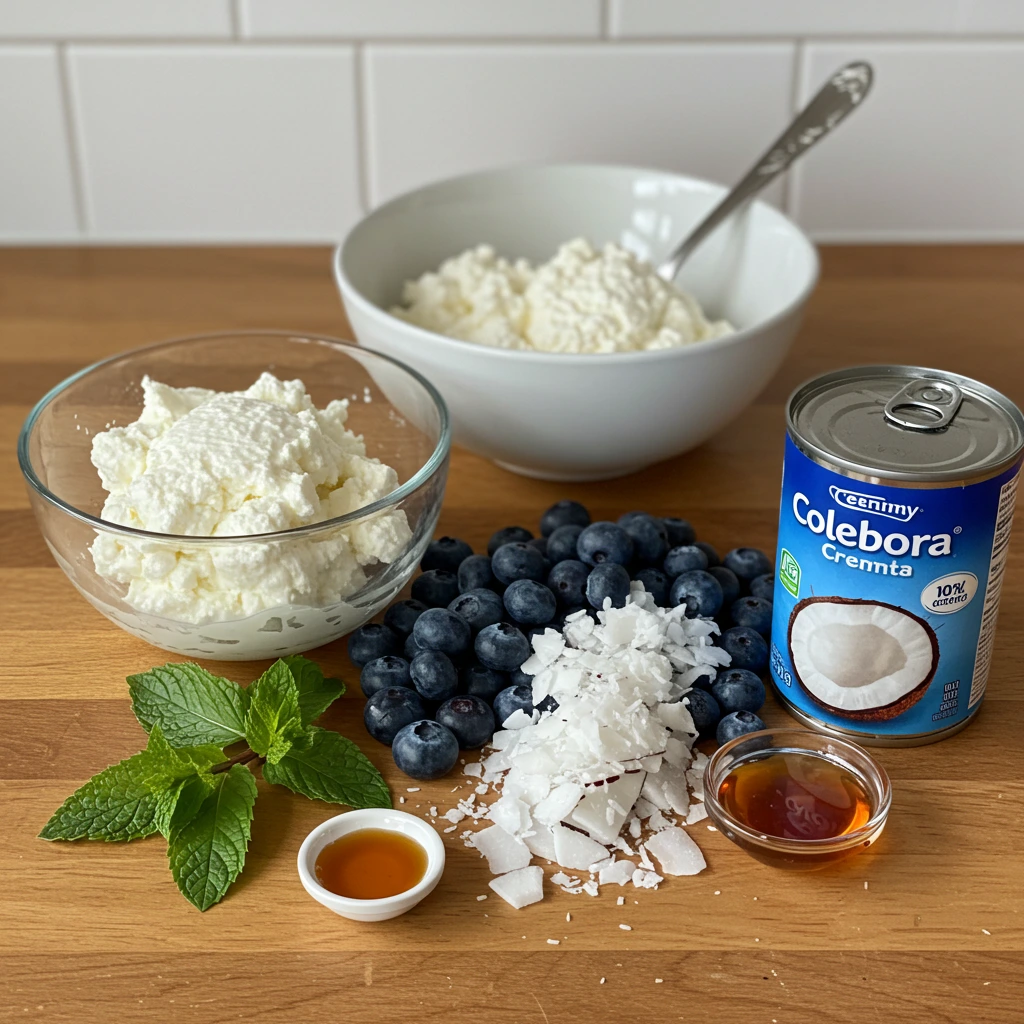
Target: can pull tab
column 935, row 401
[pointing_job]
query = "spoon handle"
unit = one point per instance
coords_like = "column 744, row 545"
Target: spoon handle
column 841, row 94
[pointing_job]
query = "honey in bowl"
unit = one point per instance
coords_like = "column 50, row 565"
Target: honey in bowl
column 796, row 795
column 371, row 864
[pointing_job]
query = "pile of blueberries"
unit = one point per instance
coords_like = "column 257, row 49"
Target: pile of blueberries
column 443, row 670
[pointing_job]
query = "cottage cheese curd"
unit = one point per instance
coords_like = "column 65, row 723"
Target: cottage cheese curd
column 582, row 301
column 205, row 463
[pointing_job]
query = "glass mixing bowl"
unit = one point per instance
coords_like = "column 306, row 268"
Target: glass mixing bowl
column 403, row 421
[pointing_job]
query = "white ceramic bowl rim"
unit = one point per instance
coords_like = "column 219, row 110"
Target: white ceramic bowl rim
column 424, row 885
column 647, row 356
column 421, row 476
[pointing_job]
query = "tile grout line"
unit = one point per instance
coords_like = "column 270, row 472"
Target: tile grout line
column 795, row 93
column 360, row 93
column 71, row 136
column 235, row 15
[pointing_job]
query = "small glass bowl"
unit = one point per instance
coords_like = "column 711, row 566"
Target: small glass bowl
column 403, row 422
column 799, row 854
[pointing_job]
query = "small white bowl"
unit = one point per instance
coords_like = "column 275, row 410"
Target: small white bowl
column 560, row 416
column 372, row 817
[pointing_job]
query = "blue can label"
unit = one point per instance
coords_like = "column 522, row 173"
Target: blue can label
column 886, row 597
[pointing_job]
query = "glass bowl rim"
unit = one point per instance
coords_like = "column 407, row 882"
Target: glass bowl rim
column 421, row 476
column 880, row 782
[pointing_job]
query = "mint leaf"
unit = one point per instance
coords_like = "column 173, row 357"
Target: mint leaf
column 207, row 852
column 327, row 766
column 316, row 694
column 130, row 799
column 117, row 804
column 273, row 719
column 191, row 705
column 182, row 801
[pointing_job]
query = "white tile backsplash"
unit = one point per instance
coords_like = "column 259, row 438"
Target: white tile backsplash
column 281, row 120
column 216, row 143
column 437, row 111
column 113, row 19
column 36, row 183
column 688, row 18
column 935, row 153
column 420, row 18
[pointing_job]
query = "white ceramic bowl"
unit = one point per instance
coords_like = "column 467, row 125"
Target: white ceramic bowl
column 583, row 417
column 372, row 817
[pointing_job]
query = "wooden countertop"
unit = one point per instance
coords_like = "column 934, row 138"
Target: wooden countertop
column 927, row 926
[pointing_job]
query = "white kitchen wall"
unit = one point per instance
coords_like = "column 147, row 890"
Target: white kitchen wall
column 281, row 120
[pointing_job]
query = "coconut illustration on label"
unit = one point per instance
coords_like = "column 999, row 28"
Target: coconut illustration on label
column 866, row 660
column 898, row 490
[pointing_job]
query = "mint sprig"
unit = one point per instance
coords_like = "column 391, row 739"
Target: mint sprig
column 201, row 800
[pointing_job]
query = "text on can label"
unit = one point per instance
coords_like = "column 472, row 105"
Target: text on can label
column 950, row 593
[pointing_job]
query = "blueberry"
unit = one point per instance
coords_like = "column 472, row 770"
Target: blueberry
column 541, row 544
column 512, row 699
column 604, row 542
column 436, row 588
column 704, row 711
column 754, row 612
column 434, row 676
column 568, row 581
column 746, row 647
column 709, row 551
column 656, row 583
column 747, row 563
column 703, row 683
column 763, row 586
column 502, row 647
column 479, row 681
column 445, row 553
column 520, row 678
column 608, row 580
column 518, row 561
column 402, row 616
column 372, row 641
column 680, row 532
column 728, row 582
column 383, row 672
column 508, row 535
column 649, row 536
column 439, row 629
column 738, row 689
column 530, row 603
column 698, row 591
column 425, row 750
column 563, row 513
column 411, row 648
column 684, row 559
column 390, row 710
column 562, row 543
column 479, row 608
column 475, row 574
column 547, row 704
column 739, row 723
column 470, row 720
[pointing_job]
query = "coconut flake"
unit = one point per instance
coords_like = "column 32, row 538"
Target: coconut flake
column 676, row 852
column 521, row 887
column 575, row 850
column 504, row 852
column 618, row 873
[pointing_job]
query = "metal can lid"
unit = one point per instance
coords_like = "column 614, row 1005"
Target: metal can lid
column 906, row 423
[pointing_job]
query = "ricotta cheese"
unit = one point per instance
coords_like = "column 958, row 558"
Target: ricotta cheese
column 201, row 463
column 582, row 301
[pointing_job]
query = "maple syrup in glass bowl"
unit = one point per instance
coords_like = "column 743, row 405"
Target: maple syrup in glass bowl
column 796, row 799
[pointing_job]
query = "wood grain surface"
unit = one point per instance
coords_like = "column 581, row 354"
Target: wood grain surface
column 927, row 926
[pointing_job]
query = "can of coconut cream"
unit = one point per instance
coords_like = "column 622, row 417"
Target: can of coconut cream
column 898, row 490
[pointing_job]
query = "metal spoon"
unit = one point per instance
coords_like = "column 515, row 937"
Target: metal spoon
column 840, row 95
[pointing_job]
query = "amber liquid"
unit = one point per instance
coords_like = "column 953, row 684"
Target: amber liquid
column 371, row 863
column 796, row 796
